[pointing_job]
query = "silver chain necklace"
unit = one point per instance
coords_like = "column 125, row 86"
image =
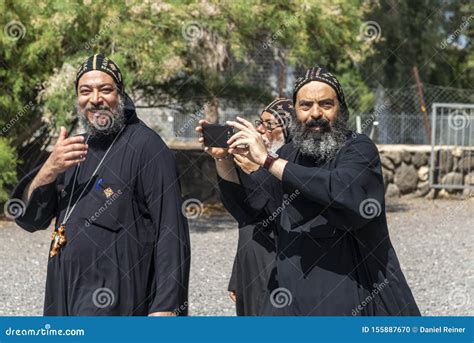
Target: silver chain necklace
column 58, row 237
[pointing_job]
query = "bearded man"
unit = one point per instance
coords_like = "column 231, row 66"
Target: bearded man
column 325, row 197
column 120, row 244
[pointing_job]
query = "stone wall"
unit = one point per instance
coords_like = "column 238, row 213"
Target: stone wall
column 405, row 170
column 198, row 175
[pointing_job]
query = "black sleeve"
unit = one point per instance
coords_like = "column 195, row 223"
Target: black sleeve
column 347, row 192
column 259, row 188
column 41, row 207
column 159, row 183
column 234, row 199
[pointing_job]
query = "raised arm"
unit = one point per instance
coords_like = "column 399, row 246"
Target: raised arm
column 38, row 190
column 346, row 192
column 349, row 192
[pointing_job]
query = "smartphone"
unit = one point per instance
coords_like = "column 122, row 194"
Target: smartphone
column 217, row 135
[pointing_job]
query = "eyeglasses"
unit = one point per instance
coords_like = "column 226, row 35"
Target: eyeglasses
column 268, row 125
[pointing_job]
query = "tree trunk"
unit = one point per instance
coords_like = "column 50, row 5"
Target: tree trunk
column 281, row 83
column 212, row 113
column 281, row 79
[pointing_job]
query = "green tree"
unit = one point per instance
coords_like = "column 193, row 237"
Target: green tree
column 7, row 168
column 173, row 53
column 434, row 35
column 177, row 54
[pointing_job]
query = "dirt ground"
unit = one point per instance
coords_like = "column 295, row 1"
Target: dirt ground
column 433, row 240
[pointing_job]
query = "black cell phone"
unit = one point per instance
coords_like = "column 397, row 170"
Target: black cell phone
column 217, row 135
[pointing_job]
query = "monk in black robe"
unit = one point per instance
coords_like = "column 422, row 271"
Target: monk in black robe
column 324, row 194
column 256, row 248
column 121, row 242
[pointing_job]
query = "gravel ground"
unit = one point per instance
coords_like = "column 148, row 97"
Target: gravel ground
column 433, row 240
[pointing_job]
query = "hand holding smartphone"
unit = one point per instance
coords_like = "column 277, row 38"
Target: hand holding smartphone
column 216, row 135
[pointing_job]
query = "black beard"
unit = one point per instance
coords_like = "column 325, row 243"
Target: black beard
column 323, row 145
column 114, row 123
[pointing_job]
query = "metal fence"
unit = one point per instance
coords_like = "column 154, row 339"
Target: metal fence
column 452, row 148
column 176, row 125
column 391, row 128
column 394, row 117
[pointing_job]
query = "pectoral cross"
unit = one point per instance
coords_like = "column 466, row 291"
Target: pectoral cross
column 59, row 240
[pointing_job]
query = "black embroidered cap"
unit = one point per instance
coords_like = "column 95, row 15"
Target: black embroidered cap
column 104, row 64
column 323, row 75
column 283, row 111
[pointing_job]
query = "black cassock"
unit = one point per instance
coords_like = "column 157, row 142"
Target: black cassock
column 255, row 256
column 128, row 250
column 334, row 255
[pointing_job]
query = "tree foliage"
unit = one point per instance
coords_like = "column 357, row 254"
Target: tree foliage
column 187, row 54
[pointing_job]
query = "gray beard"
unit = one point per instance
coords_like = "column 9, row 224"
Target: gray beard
column 115, row 122
column 322, row 147
column 275, row 145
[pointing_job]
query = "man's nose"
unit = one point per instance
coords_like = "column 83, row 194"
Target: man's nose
column 261, row 129
column 96, row 98
column 316, row 112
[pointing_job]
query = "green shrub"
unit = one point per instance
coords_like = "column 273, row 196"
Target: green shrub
column 8, row 161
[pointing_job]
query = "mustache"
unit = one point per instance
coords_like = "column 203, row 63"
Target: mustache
column 97, row 109
column 306, row 129
column 323, row 123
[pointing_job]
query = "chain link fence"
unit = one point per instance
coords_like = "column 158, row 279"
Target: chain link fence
column 175, row 125
column 396, row 116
